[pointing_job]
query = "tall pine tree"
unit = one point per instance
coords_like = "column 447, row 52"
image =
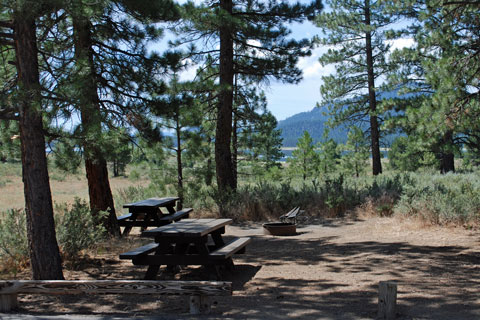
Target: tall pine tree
column 108, row 80
column 357, row 31
column 21, row 25
column 248, row 38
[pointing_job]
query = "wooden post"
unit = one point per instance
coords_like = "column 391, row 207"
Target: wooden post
column 387, row 300
column 200, row 305
column 8, row 302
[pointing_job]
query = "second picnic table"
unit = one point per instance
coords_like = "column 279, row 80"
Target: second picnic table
column 147, row 213
column 187, row 243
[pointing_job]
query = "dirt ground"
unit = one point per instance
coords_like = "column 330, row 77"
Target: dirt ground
column 329, row 270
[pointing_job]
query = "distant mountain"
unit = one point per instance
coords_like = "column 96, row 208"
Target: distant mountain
column 314, row 122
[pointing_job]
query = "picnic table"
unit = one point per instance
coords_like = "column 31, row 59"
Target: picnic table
column 147, row 213
column 187, row 242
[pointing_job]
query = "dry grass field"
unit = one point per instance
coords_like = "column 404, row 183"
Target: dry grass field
column 65, row 187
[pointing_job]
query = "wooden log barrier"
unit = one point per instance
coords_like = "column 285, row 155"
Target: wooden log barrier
column 387, row 300
column 200, row 291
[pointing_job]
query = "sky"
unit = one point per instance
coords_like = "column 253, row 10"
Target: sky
column 286, row 100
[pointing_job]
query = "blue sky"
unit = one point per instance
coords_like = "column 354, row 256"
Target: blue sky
column 285, row 100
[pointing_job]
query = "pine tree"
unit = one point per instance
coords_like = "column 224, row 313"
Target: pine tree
column 328, row 156
column 247, row 38
column 304, row 159
column 267, row 141
column 21, row 19
column 357, row 31
column 108, row 81
column 439, row 76
column 183, row 119
column 9, row 142
column 355, row 152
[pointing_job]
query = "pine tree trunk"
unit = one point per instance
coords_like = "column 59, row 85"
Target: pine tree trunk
column 372, row 99
column 99, row 190
column 223, row 155
column 234, row 132
column 447, row 159
column 209, row 169
column 304, row 166
column 235, row 149
column 116, row 169
column 44, row 253
column 179, row 164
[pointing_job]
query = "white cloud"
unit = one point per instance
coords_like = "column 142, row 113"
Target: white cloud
column 189, row 73
column 311, row 67
column 401, row 43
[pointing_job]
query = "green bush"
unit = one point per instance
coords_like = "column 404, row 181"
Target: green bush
column 76, row 228
column 442, row 199
column 134, row 193
column 13, row 239
column 134, row 175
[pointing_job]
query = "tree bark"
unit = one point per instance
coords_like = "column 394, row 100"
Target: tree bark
column 44, row 253
column 372, row 99
column 209, row 169
column 447, row 158
column 235, row 148
column 99, row 190
column 223, row 155
column 179, row 162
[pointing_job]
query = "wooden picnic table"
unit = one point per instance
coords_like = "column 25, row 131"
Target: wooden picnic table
column 187, row 243
column 148, row 213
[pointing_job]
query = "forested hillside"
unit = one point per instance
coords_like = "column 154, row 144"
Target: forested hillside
column 314, row 122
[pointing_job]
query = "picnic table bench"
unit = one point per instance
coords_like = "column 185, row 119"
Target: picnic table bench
column 148, row 213
column 187, row 243
column 199, row 291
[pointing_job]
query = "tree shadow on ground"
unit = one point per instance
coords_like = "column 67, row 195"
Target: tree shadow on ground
column 340, row 282
column 434, row 282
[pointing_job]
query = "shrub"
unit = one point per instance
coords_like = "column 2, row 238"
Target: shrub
column 134, row 175
column 442, row 199
column 134, row 193
column 13, row 239
column 76, row 228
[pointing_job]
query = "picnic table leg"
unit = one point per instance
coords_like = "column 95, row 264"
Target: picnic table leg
column 128, row 228
column 171, row 209
column 152, row 270
column 126, row 231
column 229, row 265
column 180, row 248
column 212, row 269
column 217, row 239
column 151, row 216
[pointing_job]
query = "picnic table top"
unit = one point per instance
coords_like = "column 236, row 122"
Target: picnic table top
column 152, row 203
column 188, row 228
